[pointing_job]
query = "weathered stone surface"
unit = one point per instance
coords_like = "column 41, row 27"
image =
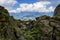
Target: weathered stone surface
column 43, row 28
column 57, row 11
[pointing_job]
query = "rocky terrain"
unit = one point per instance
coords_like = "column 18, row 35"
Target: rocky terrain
column 42, row 28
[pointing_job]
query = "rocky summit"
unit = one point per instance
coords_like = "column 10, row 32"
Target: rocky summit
column 42, row 28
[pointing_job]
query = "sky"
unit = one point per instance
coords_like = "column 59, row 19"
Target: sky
column 29, row 9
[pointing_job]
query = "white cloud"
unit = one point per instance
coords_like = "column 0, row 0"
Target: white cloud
column 35, row 7
column 51, row 8
column 8, row 3
column 25, row 7
column 27, row 18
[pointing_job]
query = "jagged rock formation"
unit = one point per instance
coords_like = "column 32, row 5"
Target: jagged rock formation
column 7, row 29
column 57, row 11
column 49, row 25
column 43, row 28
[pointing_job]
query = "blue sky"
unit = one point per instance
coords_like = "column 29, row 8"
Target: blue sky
column 30, row 9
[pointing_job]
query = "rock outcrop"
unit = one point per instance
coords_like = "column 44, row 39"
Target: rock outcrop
column 43, row 28
column 57, row 11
